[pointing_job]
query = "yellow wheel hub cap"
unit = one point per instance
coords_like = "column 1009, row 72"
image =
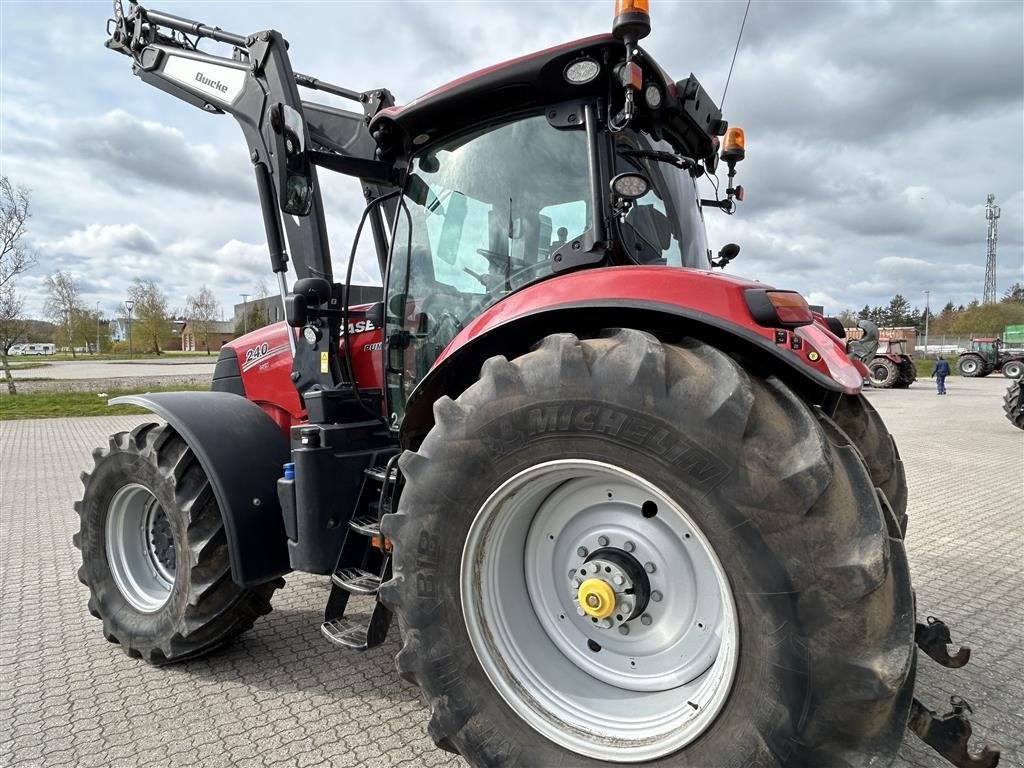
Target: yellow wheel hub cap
column 597, row 599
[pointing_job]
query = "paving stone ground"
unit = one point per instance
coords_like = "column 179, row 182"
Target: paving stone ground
column 281, row 696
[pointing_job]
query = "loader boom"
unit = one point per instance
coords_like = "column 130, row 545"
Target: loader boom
column 287, row 138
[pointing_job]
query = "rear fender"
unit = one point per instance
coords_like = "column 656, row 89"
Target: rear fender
column 242, row 451
column 819, row 383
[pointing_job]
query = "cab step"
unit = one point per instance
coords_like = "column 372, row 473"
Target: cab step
column 367, row 525
column 357, row 581
column 345, row 633
column 357, row 635
column 380, row 473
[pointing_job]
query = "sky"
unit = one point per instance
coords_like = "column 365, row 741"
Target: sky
column 874, row 131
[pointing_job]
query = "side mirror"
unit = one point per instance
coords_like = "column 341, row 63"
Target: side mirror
column 316, row 288
column 727, row 253
column 295, row 186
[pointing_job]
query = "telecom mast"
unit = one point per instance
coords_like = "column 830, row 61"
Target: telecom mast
column 992, row 214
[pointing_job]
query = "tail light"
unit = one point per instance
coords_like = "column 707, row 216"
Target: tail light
column 778, row 309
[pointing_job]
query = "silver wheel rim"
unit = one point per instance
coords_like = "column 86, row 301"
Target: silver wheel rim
column 969, row 366
column 647, row 690
column 140, row 548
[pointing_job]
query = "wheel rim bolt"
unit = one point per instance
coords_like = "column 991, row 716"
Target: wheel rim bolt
column 582, row 551
column 649, row 567
column 656, row 596
column 572, row 572
column 602, row 540
column 624, row 630
column 618, row 580
column 629, row 546
column 580, row 611
column 646, row 620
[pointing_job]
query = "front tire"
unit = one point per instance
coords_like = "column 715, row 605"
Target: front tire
column 154, row 552
column 695, row 453
column 1013, row 369
column 884, row 373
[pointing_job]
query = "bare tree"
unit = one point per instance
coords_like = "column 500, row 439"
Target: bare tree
column 152, row 313
column 64, row 305
column 12, row 327
column 16, row 257
column 201, row 312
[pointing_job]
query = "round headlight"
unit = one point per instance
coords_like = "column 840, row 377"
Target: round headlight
column 630, row 186
column 311, row 335
column 582, row 71
column 652, row 95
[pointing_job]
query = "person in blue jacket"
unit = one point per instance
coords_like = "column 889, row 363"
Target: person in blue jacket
column 939, row 372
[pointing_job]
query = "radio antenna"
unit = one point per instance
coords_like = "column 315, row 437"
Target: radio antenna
column 721, row 104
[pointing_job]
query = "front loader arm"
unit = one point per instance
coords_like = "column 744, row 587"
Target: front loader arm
column 287, row 138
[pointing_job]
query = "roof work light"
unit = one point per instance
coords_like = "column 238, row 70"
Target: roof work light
column 632, row 20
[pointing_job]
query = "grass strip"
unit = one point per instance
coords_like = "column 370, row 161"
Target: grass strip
column 52, row 405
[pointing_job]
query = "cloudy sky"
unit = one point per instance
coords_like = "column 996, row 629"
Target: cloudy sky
column 874, row 132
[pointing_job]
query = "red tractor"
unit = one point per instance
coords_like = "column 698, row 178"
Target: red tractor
column 624, row 508
column 892, row 366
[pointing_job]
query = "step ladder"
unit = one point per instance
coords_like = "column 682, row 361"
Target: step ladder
column 364, row 563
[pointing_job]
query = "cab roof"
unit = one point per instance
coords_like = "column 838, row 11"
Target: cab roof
column 537, row 80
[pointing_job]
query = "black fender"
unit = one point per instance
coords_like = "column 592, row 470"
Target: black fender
column 242, row 451
column 670, row 322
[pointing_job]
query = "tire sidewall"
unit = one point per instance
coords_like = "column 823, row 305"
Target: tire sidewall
column 889, row 373
column 774, row 669
column 110, row 475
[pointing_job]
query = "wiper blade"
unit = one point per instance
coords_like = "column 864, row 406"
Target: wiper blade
column 679, row 161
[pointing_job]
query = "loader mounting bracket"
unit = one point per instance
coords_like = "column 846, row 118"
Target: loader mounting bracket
column 933, row 638
column 949, row 734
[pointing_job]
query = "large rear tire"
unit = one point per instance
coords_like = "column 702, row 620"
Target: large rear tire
column 154, row 553
column 907, row 374
column 1013, row 404
column 884, row 373
column 859, row 419
column 733, row 492
column 971, row 366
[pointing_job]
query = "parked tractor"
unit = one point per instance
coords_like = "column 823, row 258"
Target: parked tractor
column 892, row 366
column 624, row 508
column 885, row 361
column 990, row 355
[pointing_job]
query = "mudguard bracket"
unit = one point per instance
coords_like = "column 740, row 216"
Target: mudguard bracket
column 242, row 451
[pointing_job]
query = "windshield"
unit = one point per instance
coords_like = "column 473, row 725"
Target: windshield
column 485, row 211
column 665, row 226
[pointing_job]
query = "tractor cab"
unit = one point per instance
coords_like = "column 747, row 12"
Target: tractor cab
column 577, row 157
column 988, row 348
